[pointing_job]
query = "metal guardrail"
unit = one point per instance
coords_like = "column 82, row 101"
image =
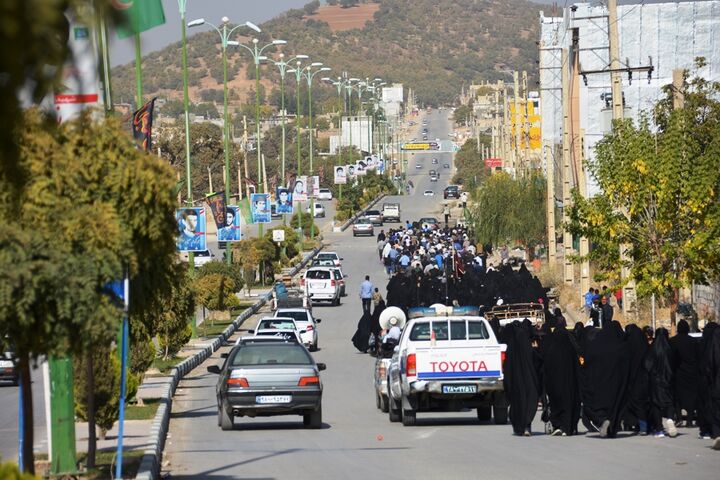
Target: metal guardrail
column 152, row 456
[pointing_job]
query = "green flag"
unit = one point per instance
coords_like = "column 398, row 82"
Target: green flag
column 138, row 15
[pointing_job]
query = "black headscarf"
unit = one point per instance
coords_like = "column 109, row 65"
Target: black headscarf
column 522, row 387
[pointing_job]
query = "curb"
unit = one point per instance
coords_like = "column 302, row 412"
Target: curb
column 151, row 461
column 367, row 207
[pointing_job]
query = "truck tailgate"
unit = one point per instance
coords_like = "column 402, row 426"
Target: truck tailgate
column 441, row 363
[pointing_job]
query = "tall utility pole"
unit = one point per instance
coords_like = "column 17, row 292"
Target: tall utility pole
column 629, row 293
column 550, row 175
column 526, row 121
column 516, row 120
column 568, row 269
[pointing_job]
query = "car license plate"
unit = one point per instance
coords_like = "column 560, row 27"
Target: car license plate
column 273, row 399
column 459, row 388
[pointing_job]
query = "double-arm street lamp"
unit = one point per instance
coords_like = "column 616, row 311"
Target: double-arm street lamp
column 257, row 56
column 282, row 66
column 225, row 32
column 309, row 74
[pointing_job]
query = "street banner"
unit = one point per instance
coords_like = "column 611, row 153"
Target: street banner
column 80, row 80
column 300, row 189
column 232, row 229
column 360, row 168
column 315, row 186
column 340, row 175
column 420, row 146
column 216, row 202
column 350, row 169
column 493, row 162
column 142, row 125
column 191, row 225
column 137, row 16
column 245, row 210
column 284, row 200
column 260, row 205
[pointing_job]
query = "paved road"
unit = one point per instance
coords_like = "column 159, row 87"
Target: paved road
column 9, row 401
column 357, row 441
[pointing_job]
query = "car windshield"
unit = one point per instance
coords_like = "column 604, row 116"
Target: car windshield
column 361, row 221
column 318, row 275
column 372, row 212
column 271, row 323
column 275, row 354
column 327, row 256
column 297, row 316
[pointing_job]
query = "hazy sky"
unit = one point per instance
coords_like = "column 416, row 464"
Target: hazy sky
column 239, row 11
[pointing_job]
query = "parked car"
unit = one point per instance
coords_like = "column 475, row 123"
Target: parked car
column 8, row 368
column 267, row 377
column 363, row 226
column 319, row 210
column 305, row 322
column 321, row 285
column 324, row 194
column 201, row 258
column 375, row 216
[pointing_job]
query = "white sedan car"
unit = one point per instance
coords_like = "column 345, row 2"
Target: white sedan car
column 319, row 210
column 305, row 322
column 429, row 193
column 324, row 194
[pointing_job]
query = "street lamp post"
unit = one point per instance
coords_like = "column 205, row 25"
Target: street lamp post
column 298, row 71
column 257, row 56
column 225, row 34
column 309, row 75
column 339, row 84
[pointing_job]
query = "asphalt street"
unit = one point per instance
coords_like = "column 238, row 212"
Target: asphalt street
column 9, row 399
column 358, row 441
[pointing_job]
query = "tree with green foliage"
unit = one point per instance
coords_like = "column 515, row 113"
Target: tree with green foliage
column 105, row 387
column 171, row 316
column 312, row 7
column 216, row 291
column 470, row 169
column 658, row 197
column 89, row 208
column 506, row 210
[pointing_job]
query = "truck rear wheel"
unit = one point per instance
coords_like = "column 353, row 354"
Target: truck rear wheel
column 484, row 413
column 409, row 418
column 393, row 410
column 500, row 414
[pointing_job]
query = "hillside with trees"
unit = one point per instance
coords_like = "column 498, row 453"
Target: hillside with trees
column 432, row 46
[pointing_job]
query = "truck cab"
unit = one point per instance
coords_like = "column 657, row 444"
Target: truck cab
column 448, row 359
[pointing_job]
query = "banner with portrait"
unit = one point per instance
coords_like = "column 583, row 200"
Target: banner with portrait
column 360, row 168
column 191, row 225
column 315, row 185
column 350, row 169
column 216, row 202
column 231, row 231
column 284, row 200
column 300, row 189
column 340, row 175
column 260, row 207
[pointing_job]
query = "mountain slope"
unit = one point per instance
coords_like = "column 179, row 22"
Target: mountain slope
column 432, row 46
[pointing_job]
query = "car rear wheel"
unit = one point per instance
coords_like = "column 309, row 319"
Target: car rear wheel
column 484, row 413
column 384, row 403
column 225, row 419
column 313, row 419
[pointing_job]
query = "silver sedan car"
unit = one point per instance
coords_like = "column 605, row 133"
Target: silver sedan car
column 363, row 226
column 267, row 376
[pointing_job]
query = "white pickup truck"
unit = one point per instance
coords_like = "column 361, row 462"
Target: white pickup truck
column 391, row 212
column 447, row 360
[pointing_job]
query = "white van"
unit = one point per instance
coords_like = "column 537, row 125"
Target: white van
column 321, row 285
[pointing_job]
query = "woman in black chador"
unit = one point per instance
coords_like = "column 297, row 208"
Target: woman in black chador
column 685, row 350
column 659, row 365
column 522, row 386
column 560, row 366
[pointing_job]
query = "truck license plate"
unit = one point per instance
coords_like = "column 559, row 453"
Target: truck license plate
column 273, row 398
column 459, row 388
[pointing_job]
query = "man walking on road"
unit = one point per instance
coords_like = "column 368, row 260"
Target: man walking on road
column 366, row 294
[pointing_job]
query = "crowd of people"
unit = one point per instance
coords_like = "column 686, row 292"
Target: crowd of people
column 612, row 379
